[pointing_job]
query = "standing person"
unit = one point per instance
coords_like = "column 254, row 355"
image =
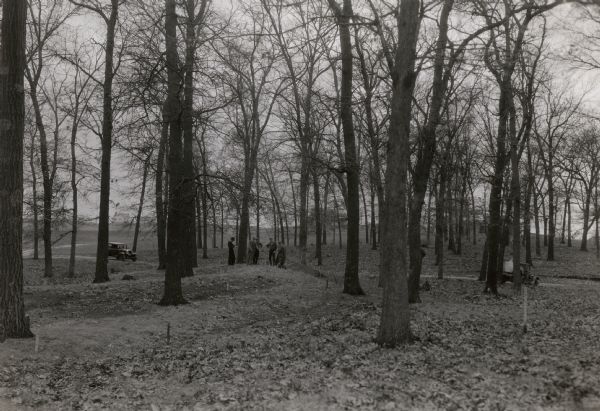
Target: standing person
column 280, row 259
column 272, row 247
column 231, row 247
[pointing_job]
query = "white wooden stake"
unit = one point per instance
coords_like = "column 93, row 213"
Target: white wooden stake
column 37, row 342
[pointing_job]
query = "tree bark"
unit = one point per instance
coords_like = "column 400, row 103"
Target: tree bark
column 161, row 221
column 47, row 179
column 426, row 154
column 187, row 121
column 173, row 294
column 36, row 232
column 440, row 222
column 515, row 188
column 365, row 212
column 295, row 208
column 317, row 199
column 569, row 237
column 138, row 217
column 13, row 323
column 351, row 280
column 101, row 273
column 373, row 224
column 394, row 326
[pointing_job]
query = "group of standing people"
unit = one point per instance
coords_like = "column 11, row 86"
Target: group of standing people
column 277, row 252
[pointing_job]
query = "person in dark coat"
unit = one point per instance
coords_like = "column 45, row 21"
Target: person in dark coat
column 231, row 246
column 272, row 247
column 280, row 258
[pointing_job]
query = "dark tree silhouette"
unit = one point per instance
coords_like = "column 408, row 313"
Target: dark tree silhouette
column 13, row 322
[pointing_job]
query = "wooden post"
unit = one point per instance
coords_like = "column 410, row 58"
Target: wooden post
column 525, row 309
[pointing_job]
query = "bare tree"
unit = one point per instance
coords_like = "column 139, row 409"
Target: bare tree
column 13, row 323
column 173, row 294
column 250, row 61
column 554, row 121
column 109, row 15
column 394, row 327
column 45, row 18
column 343, row 17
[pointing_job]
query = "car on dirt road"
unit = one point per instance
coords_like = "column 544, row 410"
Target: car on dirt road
column 121, row 252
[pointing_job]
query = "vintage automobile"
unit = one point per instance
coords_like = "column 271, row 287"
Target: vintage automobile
column 121, row 252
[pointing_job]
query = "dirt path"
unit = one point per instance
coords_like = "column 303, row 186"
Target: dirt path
column 28, row 252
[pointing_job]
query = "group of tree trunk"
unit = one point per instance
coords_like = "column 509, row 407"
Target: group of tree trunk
column 286, row 119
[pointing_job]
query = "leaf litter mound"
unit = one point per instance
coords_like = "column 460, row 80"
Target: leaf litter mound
column 260, row 338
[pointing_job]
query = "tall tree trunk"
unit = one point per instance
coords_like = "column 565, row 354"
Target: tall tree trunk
column 303, row 231
column 586, row 220
column 101, row 274
column 47, row 180
column 214, row 213
column 176, row 250
column 497, row 181
column 222, row 225
column 138, row 217
column 325, row 217
column 74, row 216
column 13, row 322
column 536, row 220
column 551, row 215
column 366, row 213
column 429, row 198
column 276, row 226
column 373, row 224
column 237, row 226
column 461, row 216
column 317, row 199
column 474, row 215
column 450, row 216
column 334, row 222
column 375, row 172
column 597, row 211
column 295, row 208
column 527, row 209
column 394, row 326
column 36, row 232
column 440, row 222
column 351, row 280
column 205, row 216
column 545, row 218
column 339, row 222
column 249, row 168
column 484, row 262
column 161, row 220
column 287, row 229
column 425, row 155
column 515, row 188
column 569, row 237
column 527, row 223
column 199, row 235
column 257, row 208
column 564, row 222
column 189, row 189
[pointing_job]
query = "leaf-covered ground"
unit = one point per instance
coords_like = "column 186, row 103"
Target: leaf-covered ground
column 254, row 337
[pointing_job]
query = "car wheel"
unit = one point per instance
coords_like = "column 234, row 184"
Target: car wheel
column 133, row 259
column 121, row 257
